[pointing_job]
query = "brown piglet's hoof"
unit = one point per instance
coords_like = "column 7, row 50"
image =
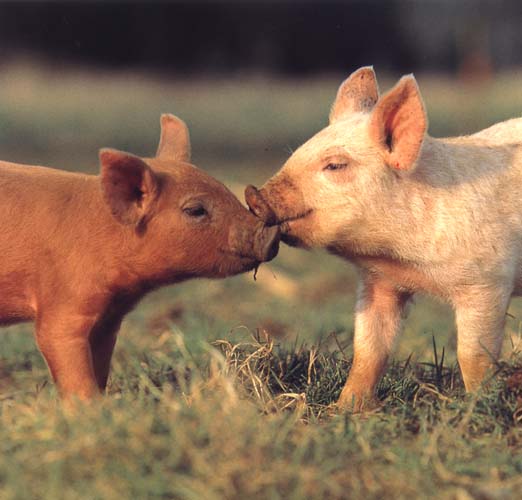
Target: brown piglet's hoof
column 258, row 206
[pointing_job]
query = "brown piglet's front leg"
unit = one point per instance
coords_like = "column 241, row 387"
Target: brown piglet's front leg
column 102, row 343
column 63, row 339
column 378, row 316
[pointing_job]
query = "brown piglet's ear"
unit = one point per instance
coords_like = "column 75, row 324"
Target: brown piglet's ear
column 128, row 184
column 358, row 93
column 175, row 139
column 398, row 123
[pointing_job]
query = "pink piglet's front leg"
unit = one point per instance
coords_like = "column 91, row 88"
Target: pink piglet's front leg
column 379, row 311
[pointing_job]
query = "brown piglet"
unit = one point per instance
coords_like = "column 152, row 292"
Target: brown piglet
column 79, row 251
column 415, row 214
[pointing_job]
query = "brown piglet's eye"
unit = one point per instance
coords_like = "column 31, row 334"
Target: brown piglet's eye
column 196, row 211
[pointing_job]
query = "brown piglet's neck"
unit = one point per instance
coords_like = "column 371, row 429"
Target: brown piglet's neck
column 120, row 256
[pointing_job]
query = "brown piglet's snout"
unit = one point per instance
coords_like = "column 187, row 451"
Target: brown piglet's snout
column 260, row 245
column 259, row 207
column 266, row 245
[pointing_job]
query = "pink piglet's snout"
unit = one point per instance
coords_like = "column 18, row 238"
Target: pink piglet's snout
column 259, row 206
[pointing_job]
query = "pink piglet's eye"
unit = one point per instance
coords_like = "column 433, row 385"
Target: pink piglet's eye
column 335, row 166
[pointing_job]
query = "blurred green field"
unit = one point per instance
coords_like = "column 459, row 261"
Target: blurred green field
column 202, row 404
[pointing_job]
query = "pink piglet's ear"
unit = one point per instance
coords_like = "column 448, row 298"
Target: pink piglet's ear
column 175, row 139
column 129, row 186
column 398, row 124
column 358, row 93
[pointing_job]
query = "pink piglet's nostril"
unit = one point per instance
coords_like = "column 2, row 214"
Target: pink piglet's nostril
column 258, row 206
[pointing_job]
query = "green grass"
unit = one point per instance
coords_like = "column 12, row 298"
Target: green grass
column 223, row 389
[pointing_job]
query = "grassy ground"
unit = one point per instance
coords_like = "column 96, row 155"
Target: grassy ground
column 222, row 389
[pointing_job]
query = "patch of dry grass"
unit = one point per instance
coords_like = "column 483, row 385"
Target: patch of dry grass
column 250, row 420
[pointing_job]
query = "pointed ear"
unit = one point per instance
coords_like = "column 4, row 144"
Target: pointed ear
column 175, row 139
column 398, row 123
column 358, row 93
column 129, row 186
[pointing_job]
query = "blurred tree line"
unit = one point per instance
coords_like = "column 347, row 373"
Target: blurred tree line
column 282, row 37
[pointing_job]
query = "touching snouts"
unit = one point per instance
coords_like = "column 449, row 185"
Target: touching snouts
column 262, row 210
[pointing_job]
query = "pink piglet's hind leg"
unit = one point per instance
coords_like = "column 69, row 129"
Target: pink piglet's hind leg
column 379, row 311
column 480, row 315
